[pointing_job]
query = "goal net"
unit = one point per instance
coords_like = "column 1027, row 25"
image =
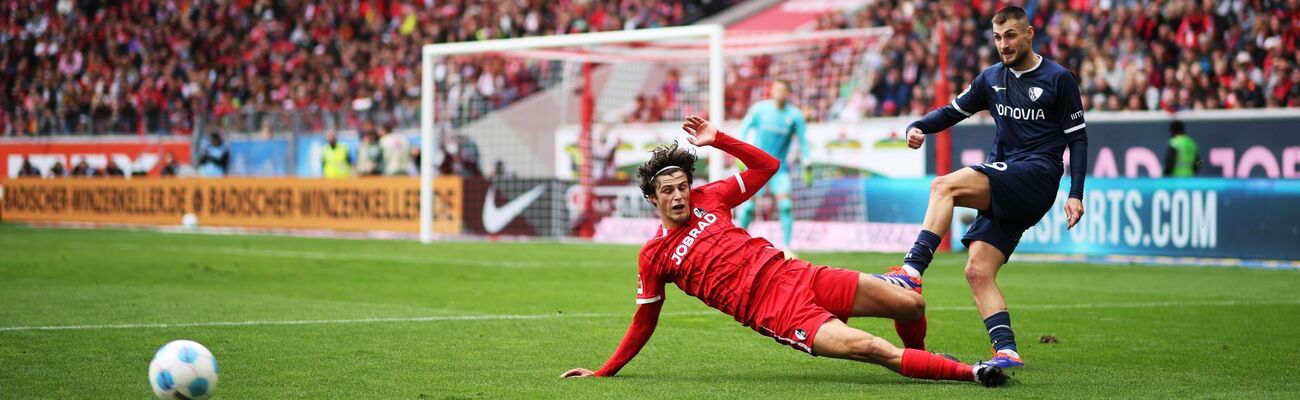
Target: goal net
column 546, row 132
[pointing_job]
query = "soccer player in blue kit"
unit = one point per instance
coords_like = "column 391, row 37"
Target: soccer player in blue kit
column 1036, row 106
column 773, row 125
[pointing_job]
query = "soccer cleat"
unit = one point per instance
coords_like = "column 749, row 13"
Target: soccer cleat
column 897, row 276
column 990, row 376
column 1004, row 359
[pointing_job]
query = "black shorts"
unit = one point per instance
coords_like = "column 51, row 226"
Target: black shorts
column 1020, row 194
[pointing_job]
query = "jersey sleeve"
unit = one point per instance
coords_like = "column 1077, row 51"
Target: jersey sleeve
column 734, row 190
column 1070, row 111
column 972, row 100
column 1069, row 104
column 966, row 104
column 649, row 283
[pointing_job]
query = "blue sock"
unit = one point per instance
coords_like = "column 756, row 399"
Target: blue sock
column 786, row 210
column 999, row 326
column 922, row 251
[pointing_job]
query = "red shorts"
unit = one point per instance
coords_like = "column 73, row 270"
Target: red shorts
column 793, row 298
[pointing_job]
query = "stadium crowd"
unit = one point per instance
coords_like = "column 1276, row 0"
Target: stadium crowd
column 1128, row 56
column 86, row 66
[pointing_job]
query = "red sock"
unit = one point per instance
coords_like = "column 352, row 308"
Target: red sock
column 912, row 333
column 927, row 365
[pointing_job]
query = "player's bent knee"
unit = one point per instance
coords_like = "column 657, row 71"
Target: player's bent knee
column 917, row 307
column 907, row 307
column 942, row 185
column 977, row 273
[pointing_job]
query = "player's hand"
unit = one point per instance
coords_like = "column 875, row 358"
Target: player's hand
column 701, row 132
column 1073, row 212
column 578, row 373
column 915, row 138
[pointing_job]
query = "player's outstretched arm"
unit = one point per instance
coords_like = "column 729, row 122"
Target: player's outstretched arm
column 643, row 325
column 761, row 165
column 966, row 104
column 934, row 122
column 1078, row 172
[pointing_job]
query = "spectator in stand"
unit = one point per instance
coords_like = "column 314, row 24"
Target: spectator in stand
column 170, row 166
column 335, row 160
column 111, row 169
column 83, row 169
column 370, row 157
column 214, row 157
column 57, row 170
column 122, row 67
column 27, row 169
column 396, row 151
column 468, row 156
column 1183, row 160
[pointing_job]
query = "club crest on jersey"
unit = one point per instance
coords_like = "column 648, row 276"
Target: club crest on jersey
column 800, row 334
column 1034, row 93
column 699, row 213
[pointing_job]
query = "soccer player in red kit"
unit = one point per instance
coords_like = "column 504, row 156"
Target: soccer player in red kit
column 797, row 303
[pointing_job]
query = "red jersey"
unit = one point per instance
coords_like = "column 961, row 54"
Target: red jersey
column 710, row 257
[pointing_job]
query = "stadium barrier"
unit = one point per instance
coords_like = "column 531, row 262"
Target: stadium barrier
column 384, row 204
column 1233, row 144
column 876, row 147
column 131, row 154
column 1193, row 217
column 265, row 157
column 1188, row 217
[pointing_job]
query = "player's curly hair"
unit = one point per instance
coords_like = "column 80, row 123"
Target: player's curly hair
column 665, row 159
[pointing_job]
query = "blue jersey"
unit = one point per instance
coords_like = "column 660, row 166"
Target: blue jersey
column 774, row 130
column 1038, row 113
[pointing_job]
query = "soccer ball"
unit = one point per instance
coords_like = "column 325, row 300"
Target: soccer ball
column 190, row 221
column 183, row 369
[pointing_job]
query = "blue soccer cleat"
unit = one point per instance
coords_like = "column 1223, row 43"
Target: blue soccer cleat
column 897, row 276
column 1004, row 359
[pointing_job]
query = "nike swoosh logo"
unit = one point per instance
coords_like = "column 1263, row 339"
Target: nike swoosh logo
column 998, row 89
column 495, row 219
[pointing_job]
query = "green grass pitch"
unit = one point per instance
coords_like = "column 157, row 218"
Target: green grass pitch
column 337, row 318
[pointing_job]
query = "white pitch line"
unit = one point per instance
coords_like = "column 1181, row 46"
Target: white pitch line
column 337, row 256
column 1154, row 304
column 1162, row 304
column 331, row 321
column 332, row 256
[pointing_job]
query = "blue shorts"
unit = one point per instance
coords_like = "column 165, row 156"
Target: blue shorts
column 1020, row 194
column 779, row 184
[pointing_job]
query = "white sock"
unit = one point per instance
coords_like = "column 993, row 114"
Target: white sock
column 911, row 271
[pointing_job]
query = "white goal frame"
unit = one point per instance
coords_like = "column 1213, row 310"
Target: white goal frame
column 431, row 52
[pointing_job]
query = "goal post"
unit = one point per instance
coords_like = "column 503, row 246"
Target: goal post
column 429, row 127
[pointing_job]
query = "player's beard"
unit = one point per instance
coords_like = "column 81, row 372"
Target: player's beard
column 1017, row 58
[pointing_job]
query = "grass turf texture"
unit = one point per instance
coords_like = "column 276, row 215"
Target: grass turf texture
column 1123, row 331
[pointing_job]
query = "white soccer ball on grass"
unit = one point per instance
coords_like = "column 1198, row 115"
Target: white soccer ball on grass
column 183, row 369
